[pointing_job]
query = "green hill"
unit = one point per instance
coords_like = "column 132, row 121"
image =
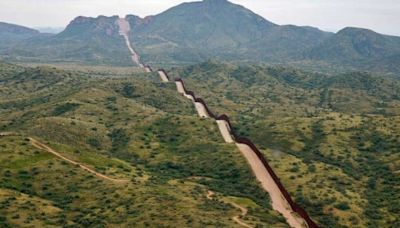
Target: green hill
column 11, row 34
column 125, row 125
column 333, row 140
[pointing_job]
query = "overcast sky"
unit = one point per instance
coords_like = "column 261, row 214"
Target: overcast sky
column 332, row 15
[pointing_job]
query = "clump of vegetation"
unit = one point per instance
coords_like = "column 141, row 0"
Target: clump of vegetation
column 129, row 91
column 119, row 139
column 64, row 108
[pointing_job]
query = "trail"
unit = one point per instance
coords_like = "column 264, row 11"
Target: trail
column 124, row 29
column 244, row 213
column 235, row 218
column 42, row 146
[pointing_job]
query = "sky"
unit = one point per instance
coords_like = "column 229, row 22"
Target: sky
column 331, row 15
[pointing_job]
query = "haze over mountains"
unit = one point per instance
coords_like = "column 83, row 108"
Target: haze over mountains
column 197, row 31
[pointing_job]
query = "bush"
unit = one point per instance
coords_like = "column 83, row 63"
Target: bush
column 67, row 107
column 128, row 91
column 94, row 143
column 119, row 139
column 344, row 206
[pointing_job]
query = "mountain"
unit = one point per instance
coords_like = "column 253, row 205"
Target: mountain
column 85, row 39
column 196, row 31
column 358, row 47
column 6, row 28
column 187, row 33
column 356, row 44
column 11, row 34
column 389, row 64
column 212, row 29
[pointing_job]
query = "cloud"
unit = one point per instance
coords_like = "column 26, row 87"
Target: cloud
column 381, row 16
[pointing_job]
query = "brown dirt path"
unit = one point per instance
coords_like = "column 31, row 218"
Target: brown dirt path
column 244, row 213
column 42, row 146
column 225, row 131
column 201, row 110
column 235, row 218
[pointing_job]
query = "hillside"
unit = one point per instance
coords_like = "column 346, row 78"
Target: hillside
column 358, row 47
column 87, row 40
column 125, row 125
column 11, row 34
column 333, row 140
column 196, row 31
column 355, row 44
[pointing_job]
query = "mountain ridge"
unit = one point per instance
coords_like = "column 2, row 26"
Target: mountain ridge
column 360, row 43
column 197, row 31
column 194, row 32
column 10, row 34
column 85, row 39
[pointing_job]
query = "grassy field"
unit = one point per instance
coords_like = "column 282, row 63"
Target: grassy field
column 333, row 140
column 126, row 125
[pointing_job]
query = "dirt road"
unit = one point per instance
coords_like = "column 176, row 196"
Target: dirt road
column 225, row 131
column 201, row 110
column 42, row 146
column 279, row 203
column 163, row 76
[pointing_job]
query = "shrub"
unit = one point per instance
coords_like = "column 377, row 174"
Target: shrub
column 94, row 143
column 67, row 107
column 344, row 206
